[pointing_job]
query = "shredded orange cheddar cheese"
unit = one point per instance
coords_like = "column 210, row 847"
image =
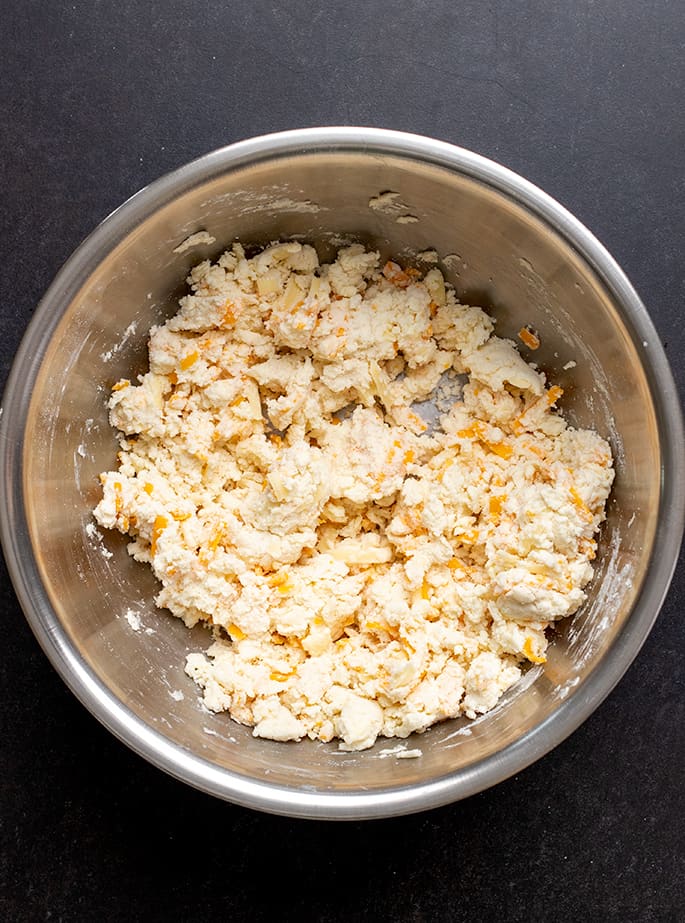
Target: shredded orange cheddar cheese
column 118, row 499
column 216, row 538
column 529, row 338
column 160, row 524
column 496, row 505
column 553, row 395
column 500, row 448
column 394, row 273
column 188, row 361
column 530, row 654
column 228, row 318
column 281, row 582
column 474, row 431
column 580, row 503
column 236, row 633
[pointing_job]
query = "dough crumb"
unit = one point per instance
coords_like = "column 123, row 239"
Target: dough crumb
column 200, row 237
column 428, row 256
column 133, row 620
column 388, row 202
column 401, row 753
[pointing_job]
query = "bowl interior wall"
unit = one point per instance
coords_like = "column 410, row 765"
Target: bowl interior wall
column 498, row 255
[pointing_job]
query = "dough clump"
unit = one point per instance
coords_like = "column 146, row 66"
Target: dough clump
column 366, row 571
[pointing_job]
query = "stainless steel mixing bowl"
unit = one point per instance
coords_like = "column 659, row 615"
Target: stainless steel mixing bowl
column 505, row 245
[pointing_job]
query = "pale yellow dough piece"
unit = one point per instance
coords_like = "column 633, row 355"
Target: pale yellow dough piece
column 364, row 573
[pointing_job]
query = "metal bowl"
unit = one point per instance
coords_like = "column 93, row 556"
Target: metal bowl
column 505, row 245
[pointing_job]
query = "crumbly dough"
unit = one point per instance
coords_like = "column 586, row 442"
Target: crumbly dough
column 365, row 573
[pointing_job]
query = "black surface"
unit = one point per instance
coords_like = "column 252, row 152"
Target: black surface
column 583, row 98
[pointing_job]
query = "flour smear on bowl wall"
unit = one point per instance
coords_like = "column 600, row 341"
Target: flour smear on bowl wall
column 504, row 245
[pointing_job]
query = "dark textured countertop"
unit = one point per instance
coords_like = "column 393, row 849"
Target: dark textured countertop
column 585, row 99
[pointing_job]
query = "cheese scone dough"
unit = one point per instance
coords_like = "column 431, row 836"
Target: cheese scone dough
column 365, row 573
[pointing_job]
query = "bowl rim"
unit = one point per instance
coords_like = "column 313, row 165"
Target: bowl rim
column 193, row 769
